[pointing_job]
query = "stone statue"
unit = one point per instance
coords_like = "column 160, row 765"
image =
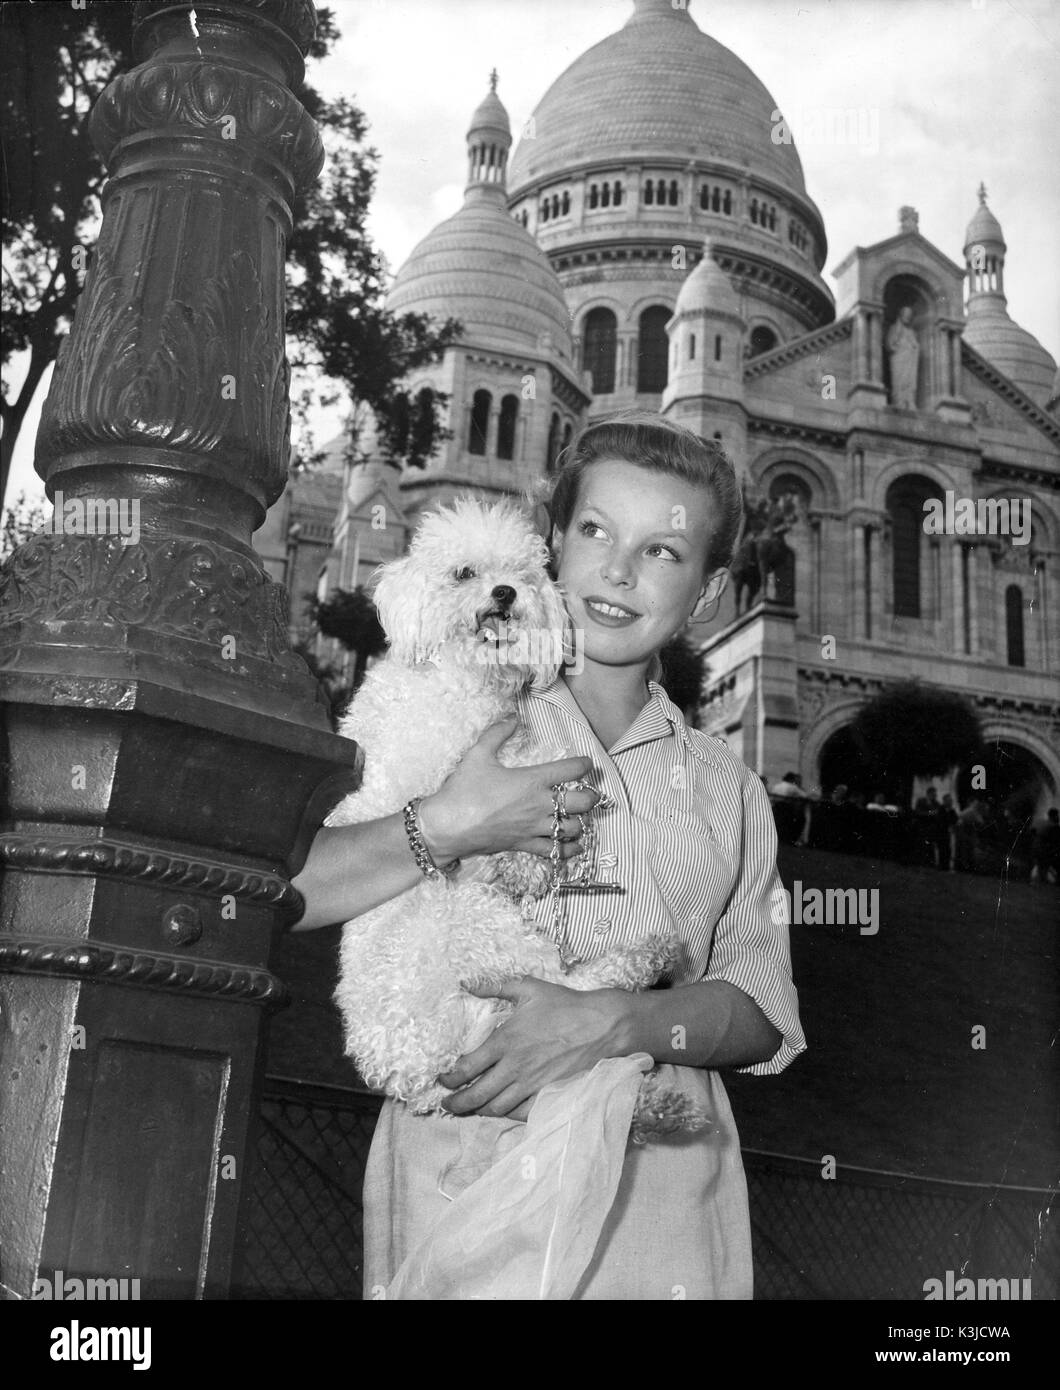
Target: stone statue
column 764, row 552
column 904, row 348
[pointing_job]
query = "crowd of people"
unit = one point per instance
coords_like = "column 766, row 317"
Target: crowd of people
column 981, row 837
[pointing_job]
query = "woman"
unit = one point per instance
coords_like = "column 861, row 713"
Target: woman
column 644, row 516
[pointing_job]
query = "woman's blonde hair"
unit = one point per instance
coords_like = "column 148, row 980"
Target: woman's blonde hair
column 662, row 446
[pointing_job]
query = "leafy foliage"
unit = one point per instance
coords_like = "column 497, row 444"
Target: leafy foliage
column 350, row 617
column 54, row 62
column 684, row 670
column 21, row 521
column 911, row 730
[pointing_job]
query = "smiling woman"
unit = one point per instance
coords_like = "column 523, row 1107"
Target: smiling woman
column 644, row 516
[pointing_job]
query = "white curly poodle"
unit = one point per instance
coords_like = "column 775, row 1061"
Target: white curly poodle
column 471, row 617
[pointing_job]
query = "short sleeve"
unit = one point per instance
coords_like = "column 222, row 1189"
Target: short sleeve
column 751, row 947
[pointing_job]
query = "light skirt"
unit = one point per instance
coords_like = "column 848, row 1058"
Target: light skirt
column 678, row 1229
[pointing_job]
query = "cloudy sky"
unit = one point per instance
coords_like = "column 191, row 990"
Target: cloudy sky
column 965, row 90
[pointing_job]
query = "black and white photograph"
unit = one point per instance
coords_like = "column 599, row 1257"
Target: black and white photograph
column 530, row 664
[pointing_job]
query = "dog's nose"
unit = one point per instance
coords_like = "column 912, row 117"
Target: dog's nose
column 505, row 594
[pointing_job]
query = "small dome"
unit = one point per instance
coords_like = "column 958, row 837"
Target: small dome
column 984, row 228
column 708, row 288
column 491, row 117
column 1009, row 348
column 482, row 267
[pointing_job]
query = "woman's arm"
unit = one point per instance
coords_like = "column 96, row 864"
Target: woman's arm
column 711, row 1023
column 556, row 1032
column 483, row 808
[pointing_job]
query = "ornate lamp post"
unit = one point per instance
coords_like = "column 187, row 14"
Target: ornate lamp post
column 167, row 758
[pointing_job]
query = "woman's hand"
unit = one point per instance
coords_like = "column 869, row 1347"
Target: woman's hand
column 552, row 1033
column 484, row 808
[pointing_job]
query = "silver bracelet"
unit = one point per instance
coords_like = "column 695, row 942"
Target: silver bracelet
column 418, row 845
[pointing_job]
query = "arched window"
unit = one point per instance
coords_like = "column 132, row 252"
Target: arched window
column 727, row 201
column 763, row 339
column 601, row 340
column 553, row 444
column 1014, row 625
column 605, row 195
column 506, row 427
column 594, row 195
column 649, row 193
column 754, row 210
column 772, row 219
column 544, row 211
column 905, row 506
column 704, row 198
column 618, row 192
column 555, row 205
column 717, row 347
column 566, row 203
column 660, row 192
column 675, row 193
column 480, row 422
column 421, row 431
column 653, row 348
column 715, row 201
column 691, row 347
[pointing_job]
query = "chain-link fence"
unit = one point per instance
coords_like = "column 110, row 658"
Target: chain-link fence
column 861, row 1234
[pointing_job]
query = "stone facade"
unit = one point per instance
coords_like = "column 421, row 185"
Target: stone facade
column 684, row 256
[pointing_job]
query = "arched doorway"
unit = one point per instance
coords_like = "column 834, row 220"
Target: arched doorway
column 843, row 762
column 1014, row 788
column 1012, row 778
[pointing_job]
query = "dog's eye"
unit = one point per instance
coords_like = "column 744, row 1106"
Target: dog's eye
column 465, row 573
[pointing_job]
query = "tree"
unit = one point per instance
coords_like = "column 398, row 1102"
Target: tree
column 683, row 674
column 911, row 730
column 21, row 521
column 54, row 62
column 350, row 617
column 328, row 677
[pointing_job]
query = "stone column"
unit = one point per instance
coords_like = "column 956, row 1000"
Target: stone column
column 873, row 613
column 959, row 600
column 857, row 608
column 167, row 757
column 626, row 366
column 1044, row 599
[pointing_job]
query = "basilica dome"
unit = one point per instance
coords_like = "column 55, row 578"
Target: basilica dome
column 659, row 87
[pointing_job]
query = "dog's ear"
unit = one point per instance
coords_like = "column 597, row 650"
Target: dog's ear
column 552, row 617
column 400, row 594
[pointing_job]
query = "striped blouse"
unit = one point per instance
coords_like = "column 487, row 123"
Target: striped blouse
column 691, row 840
